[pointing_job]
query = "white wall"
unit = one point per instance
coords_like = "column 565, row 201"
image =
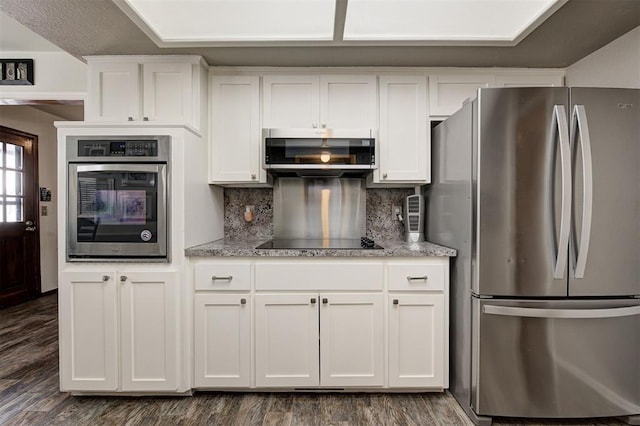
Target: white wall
column 34, row 121
column 615, row 65
column 57, row 76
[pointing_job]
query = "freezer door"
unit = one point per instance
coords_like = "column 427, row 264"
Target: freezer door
column 556, row 358
column 523, row 192
column 605, row 137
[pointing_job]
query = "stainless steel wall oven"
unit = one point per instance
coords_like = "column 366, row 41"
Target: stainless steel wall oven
column 117, row 198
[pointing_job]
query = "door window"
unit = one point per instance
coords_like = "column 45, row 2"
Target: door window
column 11, row 183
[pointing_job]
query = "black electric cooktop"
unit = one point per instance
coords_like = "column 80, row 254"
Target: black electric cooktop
column 320, row 244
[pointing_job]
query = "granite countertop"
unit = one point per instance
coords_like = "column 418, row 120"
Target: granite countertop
column 239, row 247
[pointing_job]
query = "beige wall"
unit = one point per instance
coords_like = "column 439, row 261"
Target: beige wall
column 615, row 65
column 34, row 121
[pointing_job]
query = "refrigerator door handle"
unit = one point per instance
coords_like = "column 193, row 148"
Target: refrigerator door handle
column 560, row 128
column 579, row 126
column 512, row 311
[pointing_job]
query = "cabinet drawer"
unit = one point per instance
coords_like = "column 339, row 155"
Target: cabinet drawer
column 216, row 277
column 319, row 276
column 412, row 277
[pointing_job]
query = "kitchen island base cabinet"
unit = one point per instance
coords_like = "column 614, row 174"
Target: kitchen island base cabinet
column 118, row 331
column 222, row 330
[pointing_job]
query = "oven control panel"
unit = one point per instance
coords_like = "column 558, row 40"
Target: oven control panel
column 119, row 148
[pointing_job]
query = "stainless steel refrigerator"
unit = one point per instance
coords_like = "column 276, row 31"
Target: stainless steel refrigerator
column 539, row 191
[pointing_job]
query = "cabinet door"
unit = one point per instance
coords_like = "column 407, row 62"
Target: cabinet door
column 88, row 331
column 222, row 340
column 287, row 340
column 417, row 347
column 167, row 92
column 348, row 101
column 447, row 93
column 113, row 91
column 404, row 137
column 149, row 327
column 352, row 339
column 235, row 130
column 290, row 102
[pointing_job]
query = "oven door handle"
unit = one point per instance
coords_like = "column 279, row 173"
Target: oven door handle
column 119, row 167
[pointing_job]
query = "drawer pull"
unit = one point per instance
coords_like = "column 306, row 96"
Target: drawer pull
column 243, row 301
column 422, row 278
column 395, row 301
column 313, row 300
column 325, row 300
column 215, row 278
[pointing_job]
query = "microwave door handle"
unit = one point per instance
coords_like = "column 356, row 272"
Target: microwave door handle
column 580, row 128
column 560, row 128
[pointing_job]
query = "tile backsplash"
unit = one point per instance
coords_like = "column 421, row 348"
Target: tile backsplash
column 380, row 223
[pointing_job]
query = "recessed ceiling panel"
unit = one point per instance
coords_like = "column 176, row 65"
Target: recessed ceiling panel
column 237, row 20
column 445, row 20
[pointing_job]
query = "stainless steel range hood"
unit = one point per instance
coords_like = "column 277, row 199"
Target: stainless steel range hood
column 319, row 152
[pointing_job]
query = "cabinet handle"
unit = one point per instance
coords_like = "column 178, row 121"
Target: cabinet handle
column 395, row 301
column 253, row 177
column 106, row 278
column 384, row 175
column 215, row 278
column 130, row 118
column 325, row 300
column 313, row 300
column 123, row 278
column 145, row 119
column 243, row 301
column 422, row 278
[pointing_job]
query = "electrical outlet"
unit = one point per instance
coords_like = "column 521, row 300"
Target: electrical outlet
column 44, row 211
column 396, row 210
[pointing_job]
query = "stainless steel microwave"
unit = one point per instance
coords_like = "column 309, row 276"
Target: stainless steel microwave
column 319, row 151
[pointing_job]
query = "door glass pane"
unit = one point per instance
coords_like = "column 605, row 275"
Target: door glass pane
column 14, row 182
column 1, row 154
column 15, row 207
column 14, row 157
column 1, row 182
column 1, row 209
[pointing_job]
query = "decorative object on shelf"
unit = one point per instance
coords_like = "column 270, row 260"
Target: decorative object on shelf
column 16, row 72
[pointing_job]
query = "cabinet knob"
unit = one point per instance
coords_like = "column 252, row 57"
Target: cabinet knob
column 243, row 301
column 325, row 300
column 384, row 175
column 123, row 278
column 313, row 300
column 253, row 177
column 106, row 278
column 145, row 119
column 130, row 118
column 314, row 125
column 395, row 301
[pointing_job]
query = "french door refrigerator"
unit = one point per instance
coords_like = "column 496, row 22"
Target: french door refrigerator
column 539, row 191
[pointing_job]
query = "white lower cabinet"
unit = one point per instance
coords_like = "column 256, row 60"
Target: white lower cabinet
column 325, row 339
column 222, row 342
column 119, row 331
column 417, row 347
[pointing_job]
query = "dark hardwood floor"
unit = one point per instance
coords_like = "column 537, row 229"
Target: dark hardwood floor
column 29, row 393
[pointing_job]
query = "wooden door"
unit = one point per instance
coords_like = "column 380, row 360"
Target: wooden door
column 19, row 238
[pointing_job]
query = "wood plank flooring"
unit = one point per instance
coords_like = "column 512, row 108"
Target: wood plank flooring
column 29, row 393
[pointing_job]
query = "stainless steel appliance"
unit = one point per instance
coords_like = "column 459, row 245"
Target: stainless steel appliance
column 117, row 198
column 325, row 152
column 319, row 213
column 413, row 218
column 539, row 191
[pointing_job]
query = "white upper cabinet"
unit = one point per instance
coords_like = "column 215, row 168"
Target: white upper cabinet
column 530, row 79
column 131, row 88
column 348, row 102
column 447, row 92
column 404, row 139
column 236, row 147
column 290, row 101
column 311, row 101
